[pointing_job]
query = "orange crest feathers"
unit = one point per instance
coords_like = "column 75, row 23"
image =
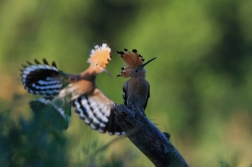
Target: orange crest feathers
column 132, row 60
column 100, row 55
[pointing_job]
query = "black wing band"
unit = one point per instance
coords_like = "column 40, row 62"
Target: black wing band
column 41, row 79
column 100, row 116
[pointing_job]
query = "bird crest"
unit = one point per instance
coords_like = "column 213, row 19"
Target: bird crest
column 100, row 55
column 132, row 59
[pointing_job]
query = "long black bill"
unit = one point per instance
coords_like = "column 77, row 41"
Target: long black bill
column 148, row 62
column 105, row 70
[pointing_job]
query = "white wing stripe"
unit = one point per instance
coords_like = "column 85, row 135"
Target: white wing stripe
column 50, row 79
column 92, row 126
column 78, row 108
column 47, row 87
column 84, row 103
column 97, row 110
column 95, row 120
column 87, row 121
column 106, row 110
column 81, row 113
column 42, row 82
column 26, row 71
column 42, row 92
column 38, row 67
column 102, row 124
column 43, row 100
column 118, row 133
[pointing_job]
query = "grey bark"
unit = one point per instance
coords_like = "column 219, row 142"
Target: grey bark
column 148, row 138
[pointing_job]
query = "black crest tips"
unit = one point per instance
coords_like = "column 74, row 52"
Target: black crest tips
column 120, row 52
column 134, row 50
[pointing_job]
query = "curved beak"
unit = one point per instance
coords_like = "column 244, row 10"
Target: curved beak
column 105, row 70
column 148, row 62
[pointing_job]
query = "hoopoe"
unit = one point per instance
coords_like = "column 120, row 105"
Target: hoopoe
column 136, row 90
column 77, row 90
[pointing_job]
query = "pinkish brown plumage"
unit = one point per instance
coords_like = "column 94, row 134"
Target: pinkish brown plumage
column 80, row 90
column 136, row 90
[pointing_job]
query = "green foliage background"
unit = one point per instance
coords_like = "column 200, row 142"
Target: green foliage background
column 201, row 81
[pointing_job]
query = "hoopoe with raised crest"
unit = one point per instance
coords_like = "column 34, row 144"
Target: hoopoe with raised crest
column 136, row 90
column 79, row 91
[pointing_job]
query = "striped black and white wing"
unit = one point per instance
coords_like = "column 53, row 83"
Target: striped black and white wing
column 48, row 81
column 41, row 79
column 97, row 111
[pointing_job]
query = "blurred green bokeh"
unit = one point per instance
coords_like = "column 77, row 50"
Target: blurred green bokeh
column 201, row 81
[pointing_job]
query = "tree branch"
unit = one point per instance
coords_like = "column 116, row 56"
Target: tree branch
column 148, row 138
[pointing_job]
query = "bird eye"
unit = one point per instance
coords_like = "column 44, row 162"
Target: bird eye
column 136, row 71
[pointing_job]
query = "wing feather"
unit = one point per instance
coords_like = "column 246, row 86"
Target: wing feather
column 99, row 112
column 124, row 93
column 41, row 79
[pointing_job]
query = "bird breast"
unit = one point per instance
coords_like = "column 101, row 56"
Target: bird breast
column 78, row 88
column 137, row 91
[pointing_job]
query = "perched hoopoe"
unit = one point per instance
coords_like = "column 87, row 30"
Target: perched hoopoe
column 136, row 90
column 77, row 90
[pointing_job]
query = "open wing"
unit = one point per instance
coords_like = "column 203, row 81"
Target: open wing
column 42, row 79
column 97, row 111
column 48, row 81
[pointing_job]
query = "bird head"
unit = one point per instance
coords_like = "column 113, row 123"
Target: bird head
column 134, row 64
column 99, row 58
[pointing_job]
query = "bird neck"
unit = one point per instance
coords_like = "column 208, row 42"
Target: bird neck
column 89, row 74
column 139, row 74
